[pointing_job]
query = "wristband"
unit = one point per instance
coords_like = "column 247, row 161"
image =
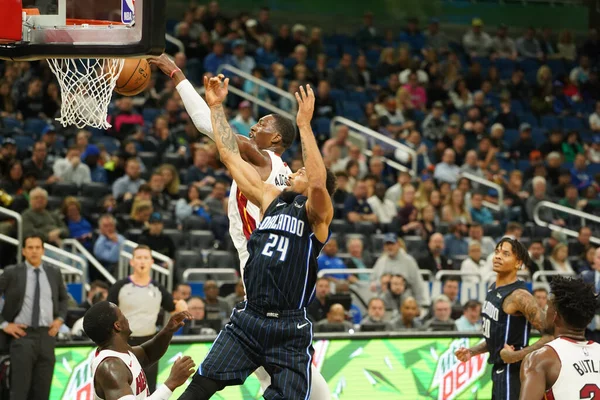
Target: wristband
column 161, row 393
column 174, row 71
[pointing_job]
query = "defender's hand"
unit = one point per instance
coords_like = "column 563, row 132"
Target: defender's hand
column 306, row 105
column 216, row 89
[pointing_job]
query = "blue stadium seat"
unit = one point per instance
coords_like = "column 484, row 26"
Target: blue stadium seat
column 373, row 57
column 511, row 136
column 523, row 165
column 573, row 124
column 150, row 114
column 529, row 64
column 517, row 107
column 360, row 97
column 289, row 63
column 24, row 142
column 529, row 118
column 332, row 51
column 483, row 61
column 110, row 144
column 557, row 67
column 12, row 123
column 351, row 49
column 353, row 111
column 539, row 135
column 505, row 67
column 550, row 122
column 337, row 94
column 322, row 125
column 593, row 169
column 35, row 126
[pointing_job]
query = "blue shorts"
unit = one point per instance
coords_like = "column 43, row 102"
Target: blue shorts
column 281, row 342
column 507, row 381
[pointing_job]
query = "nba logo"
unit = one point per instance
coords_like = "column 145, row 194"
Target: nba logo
column 127, row 11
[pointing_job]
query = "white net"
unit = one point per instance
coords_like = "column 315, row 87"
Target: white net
column 86, row 87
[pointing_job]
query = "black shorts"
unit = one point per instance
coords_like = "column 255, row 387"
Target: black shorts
column 281, row 342
column 507, row 381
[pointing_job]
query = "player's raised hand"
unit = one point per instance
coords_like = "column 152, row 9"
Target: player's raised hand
column 463, row 354
column 306, row 105
column 164, row 63
column 216, row 89
column 177, row 321
column 181, row 370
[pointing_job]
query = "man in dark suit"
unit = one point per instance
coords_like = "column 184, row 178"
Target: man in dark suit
column 593, row 277
column 35, row 307
column 434, row 260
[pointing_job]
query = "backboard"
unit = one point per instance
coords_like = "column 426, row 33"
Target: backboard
column 38, row 29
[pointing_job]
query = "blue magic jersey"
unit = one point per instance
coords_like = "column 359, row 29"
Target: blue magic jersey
column 500, row 328
column 281, row 272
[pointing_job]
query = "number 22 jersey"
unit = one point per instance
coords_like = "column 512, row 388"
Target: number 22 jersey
column 281, row 272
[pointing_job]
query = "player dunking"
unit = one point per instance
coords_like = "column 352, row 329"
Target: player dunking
column 508, row 313
column 272, row 330
column 566, row 368
column 117, row 367
column 269, row 138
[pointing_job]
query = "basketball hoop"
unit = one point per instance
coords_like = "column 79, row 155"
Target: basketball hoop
column 86, row 85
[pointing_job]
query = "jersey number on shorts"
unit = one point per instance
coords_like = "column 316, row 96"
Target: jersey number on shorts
column 591, row 391
column 486, row 327
column 276, row 244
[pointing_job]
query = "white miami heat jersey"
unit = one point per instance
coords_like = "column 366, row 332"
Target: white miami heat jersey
column 244, row 215
column 139, row 385
column 579, row 376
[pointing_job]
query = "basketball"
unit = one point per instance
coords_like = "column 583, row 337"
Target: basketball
column 134, row 77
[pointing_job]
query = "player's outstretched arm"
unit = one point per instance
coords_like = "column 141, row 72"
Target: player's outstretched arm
column 463, row 354
column 151, row 351
column 199, row 112
column 535, row 372
column 246, row 177
column 319, row 206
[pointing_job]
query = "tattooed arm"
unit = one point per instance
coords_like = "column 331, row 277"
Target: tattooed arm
column 522, row 302
column 319, row 206
column 246, row 177
column 464, row 354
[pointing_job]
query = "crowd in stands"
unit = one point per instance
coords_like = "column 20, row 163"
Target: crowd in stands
column 521, row 110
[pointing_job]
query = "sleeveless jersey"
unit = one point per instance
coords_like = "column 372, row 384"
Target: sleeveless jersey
column 244, row 215
column 139, row 386
column 500, row 328
column 281, row 272
column 579, row 372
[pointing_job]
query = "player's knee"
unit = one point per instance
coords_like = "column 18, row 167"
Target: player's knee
column 201, row 388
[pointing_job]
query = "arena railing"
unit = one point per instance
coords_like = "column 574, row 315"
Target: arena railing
column 205, row 272
column 162, row 275
column 19, row 240
column 539, row 276
column 66, row 258
column 77, row 248
column 488, row 183
column 178, row 43
column 566, row 210
column 70, row 274
column 266, row 85
column 374, row 135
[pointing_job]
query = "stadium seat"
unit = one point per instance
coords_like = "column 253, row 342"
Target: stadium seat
column 511, row 136
column 54, row 202
column 415, row 245
column 517, row 106
column 194, row 222
column 150, row 114
column 205, row 191
column 185, row 259
column 377, row 242
column 523, row 165
column 176, row 236
column 64, row 189
column 573, row 124
column 340, row 226
column 550, row 122
column 220, row 259
column 183, row 189
column 505, row 66
column 493, row 230
column 289, row 63
column 110, row 144
column 201, row 240
column 24, row 142
column 366, row 228
column 133, row 234
column 593, row 169
column 88, row 206
column 323, row 126
column 12, row 123
column 337, row 94
column 175, row 159
column 35, row 126
column 539, row 135
column 150, row 159
column 529, row 118
column 373, row 57
column 95, row 190
column 360, row 98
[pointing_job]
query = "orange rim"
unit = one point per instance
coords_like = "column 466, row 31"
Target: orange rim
column 75, row 21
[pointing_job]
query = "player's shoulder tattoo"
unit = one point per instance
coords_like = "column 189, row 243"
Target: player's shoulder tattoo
column 521, row 301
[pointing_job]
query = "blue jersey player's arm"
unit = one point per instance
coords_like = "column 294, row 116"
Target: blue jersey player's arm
column 318, row 206
column 521, row 302
column 247, row 178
